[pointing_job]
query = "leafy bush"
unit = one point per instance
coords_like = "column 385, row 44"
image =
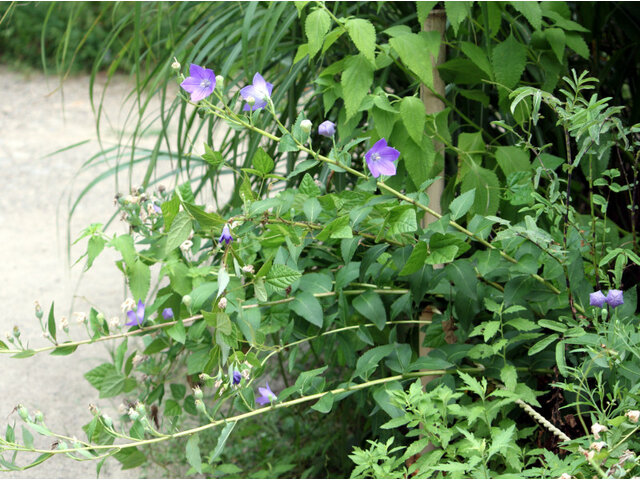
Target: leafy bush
column 310, row 285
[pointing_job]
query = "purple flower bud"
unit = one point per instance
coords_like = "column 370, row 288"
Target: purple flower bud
column 327, row 128
column 136, row 317
column 226, row 235
column 237, row 377
column 167, row 313
column 380, row 159
column 614, row 298
column 200, row 83
column 266, row 395
column 597, row 299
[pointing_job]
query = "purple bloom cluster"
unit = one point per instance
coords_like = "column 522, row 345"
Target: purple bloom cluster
column 613, row 298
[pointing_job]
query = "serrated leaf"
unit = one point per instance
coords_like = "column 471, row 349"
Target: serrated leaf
column 556, row 38
column 95, row 246
column 370, row 306
column 222, row 439
column 370, row 359
column 363, row 35
column 508, row 60
column 178, row 332
column 487, row 187
column 223, row 280
column 179, row 232
column 423, row 10
column 576, row 43
column 308, row 186
column 213, row 158
column 413, row 116
column 262, row 162
column 457, row 12
column 281, row 276
column 287, row 144
column 311, row 208
column 408, row 46
column 139, row 279
column 531, row 11
column 316, row 26
column 509, row 376
column 478, row 56
column 355, row 81
column 542, row 344
column 501, row 440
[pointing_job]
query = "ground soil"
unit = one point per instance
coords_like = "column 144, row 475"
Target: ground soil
column 36, row 121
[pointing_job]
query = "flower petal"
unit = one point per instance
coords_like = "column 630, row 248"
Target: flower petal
column 373, row 168
column 378, row 146
column 197, row 71
column 389, row 154
column 259, row 83
column 140, row 312
column 250, row 91
column 386, row 167
column 133, row 319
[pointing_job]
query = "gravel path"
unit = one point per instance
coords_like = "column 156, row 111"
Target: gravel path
column 33, row 255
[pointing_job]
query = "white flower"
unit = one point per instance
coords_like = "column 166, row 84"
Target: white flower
column 81, row 317
column 114, row 322
column 633, row 415
column 597, row 446
column 565, row 476
column 137, row 359
column 64, row 324
column 248, row 269
column 596, row 428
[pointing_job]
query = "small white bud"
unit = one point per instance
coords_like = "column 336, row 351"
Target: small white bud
column 219, row 82
column 246, row 374
column 597, row 446
column 250, row 100
column 222, row 304
column 122, row 409
column 596, row 428
column 217, row 383
column 137, row 359
column 306, row 125
column 128, row 304
column 197, row 392
column 114, row 323
column 248, row 269
column 187, row 300
column 633, row 415
column 64, row 324
column 107, row 420
column 176, row 64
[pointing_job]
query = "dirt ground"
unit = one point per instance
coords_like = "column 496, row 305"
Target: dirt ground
column 33, row 260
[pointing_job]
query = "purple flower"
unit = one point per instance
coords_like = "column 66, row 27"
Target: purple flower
column 260, row 91
column 614, row 298
column 597, row 299
column 226, row 235
column 266, row 395
column 200, row 83
column 327, row 128
column 237, row 376
column 167, row 313
column 136, row 317
column 156, row 208
column 380, row 159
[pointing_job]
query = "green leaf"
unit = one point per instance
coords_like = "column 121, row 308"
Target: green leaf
column 542, row 344
column 487, row 187
column 262, row 162
column 63, row 350
column 363, row 35
column 370, row 306
column 311, row 208
column 112, row 384
column 96, row 375
column 139, row 279
column 509, row 59
column 178, row 332
column 222, row 439
column 370, row 359
column 179, row 232
column 325, row 403
column 281, row 276
column 556, row 39
column 576, row 43
column 531, row 11
column 193, row 453
column 415, row 50
column 423, row 10
column 170, row 210
column 478, row 56
column 355, row 81
column 501, row 440
column 402, row 219
column 316, row 26
column 413, row 116
column 214, row 159
column 308, row 307
column 308, row 186
column 416, row 260
column 512, row 160
column 124, row 244
column 51, row 323
column 130, row 457
column 457, row 12
column 509, row 376
column 461, row 204
column 27, row 437
column 94, row 248
column 223, row 280
column 287, row 144
column 338, row 228
column 561, row 360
